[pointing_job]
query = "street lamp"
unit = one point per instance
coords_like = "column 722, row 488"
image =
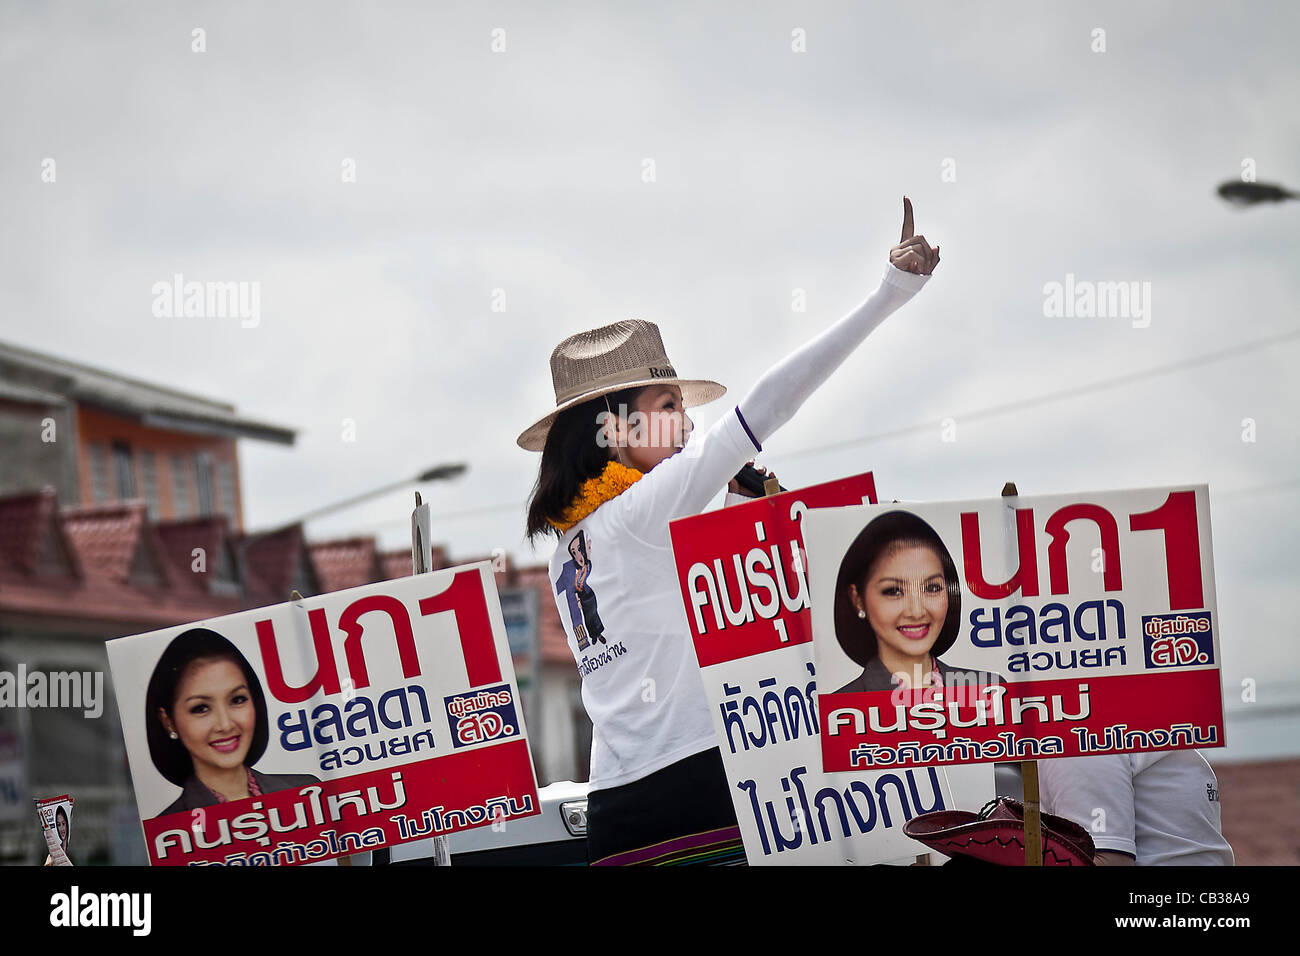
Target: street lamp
column 1249, row 194
column 437, row 473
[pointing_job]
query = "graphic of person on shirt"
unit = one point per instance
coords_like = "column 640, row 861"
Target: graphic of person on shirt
column 582, row 599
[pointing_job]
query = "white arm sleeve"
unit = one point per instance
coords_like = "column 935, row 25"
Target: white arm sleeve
column 685, row 482
column 778, row 394
column 1096, row 793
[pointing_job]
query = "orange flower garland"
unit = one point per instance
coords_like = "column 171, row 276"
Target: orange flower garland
column 610, row 483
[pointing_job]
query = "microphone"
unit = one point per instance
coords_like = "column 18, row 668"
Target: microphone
column 751, row 479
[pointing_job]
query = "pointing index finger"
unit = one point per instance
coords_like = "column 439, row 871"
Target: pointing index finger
column 907, row 219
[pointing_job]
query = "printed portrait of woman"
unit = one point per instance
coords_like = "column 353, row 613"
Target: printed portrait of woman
column 578, row 549
column 898, row 607
column 61, row 825
column 207, row 723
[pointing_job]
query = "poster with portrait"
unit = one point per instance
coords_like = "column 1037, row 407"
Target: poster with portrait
column 326, row 726
column 745, row 591
column 1015, row 628
column 55, row 816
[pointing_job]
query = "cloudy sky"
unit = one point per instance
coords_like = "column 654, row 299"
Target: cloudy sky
column 524, row 171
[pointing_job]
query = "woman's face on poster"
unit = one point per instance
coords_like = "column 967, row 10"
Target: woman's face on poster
column 214, row 714
column 906, row 599
column 61, row 824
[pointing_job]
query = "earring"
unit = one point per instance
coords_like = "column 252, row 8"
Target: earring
column 174, row 735
column 861, row 613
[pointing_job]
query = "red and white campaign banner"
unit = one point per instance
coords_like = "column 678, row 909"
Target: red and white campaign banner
column 745, row 589
column 1022, row 628
column 327, row 726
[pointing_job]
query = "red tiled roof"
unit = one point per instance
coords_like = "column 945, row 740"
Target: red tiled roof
column 346, row 563
column 104, row 544
column 179, row 541
column 395, row 564
column 271, row 561
column 107, row 547
column 113, row 539
column 27, row 522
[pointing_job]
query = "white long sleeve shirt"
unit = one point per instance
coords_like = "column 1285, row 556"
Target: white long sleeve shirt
column 626, row 625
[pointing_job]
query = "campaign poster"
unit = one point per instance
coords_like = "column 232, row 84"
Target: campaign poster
column 1015, row 628
column 55, row 815
column 745, row 589
column 326, row 726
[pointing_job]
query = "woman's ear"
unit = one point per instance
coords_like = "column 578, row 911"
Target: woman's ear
column 166, row 721
column 612, row 426
column 853, row 596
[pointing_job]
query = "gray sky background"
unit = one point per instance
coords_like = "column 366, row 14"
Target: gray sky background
column 521, row 171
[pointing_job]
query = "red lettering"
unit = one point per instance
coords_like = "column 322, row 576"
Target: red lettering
column 465, row 597
column 1177, row 518
column 350, row 622
column 1056, row 563
column 1025, row 578
column 326, row 677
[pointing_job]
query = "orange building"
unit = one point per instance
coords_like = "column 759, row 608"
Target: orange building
column 98, row 437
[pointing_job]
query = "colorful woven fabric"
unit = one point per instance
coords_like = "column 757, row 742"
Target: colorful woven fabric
column 712, row 848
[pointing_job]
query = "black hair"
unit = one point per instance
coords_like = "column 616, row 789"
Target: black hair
column 881, row 535
column 581, row 542
column 198, row 643
column 572, row 455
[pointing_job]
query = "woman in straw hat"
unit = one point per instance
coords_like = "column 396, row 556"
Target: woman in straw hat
column 617, row 467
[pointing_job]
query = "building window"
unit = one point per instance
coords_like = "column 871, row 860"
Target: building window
column 181, row 486
column 149, row 482
column 225, row 579
column 123, row 471
column 226, row 489
column 99, row 487
column 203, row 478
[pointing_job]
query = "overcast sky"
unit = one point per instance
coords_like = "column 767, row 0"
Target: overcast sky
column 517, row 177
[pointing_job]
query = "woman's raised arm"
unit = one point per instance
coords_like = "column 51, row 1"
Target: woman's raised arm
column 786, row 386
column 685, row 482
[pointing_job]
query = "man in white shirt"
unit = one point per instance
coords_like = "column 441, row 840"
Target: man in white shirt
column 1144, row 809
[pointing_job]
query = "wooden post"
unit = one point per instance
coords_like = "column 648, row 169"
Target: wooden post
column 1029, row 777
column 1033, row 820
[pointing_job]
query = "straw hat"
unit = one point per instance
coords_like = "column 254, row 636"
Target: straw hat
column 608, row 359
column 997, row 835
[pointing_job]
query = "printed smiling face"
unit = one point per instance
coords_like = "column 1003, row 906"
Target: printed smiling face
column 213, row 714
column 906, row 600
column 575, row 551
column 61, row 824
column 655, row 428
